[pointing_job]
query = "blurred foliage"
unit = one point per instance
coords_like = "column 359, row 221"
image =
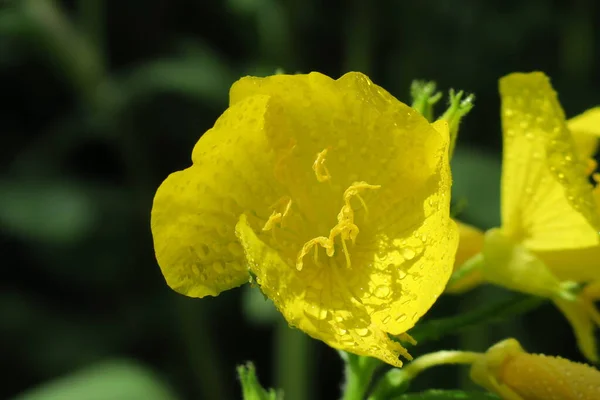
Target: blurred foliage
column 104, row 98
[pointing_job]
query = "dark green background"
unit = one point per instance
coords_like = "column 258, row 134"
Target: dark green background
column 103, row 99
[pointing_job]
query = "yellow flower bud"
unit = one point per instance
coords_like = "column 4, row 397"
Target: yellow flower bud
column 514, row 374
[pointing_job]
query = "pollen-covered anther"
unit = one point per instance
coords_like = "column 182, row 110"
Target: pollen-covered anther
column 316, row 242
column 276, row 217
column 319, row 167
column 355, row 189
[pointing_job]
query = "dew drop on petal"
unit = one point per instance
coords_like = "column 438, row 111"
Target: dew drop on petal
column 382, row 291
column 401, row 318
column 363, row 332
column 408, row 253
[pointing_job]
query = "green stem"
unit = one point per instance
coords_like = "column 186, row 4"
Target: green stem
column 201, row 351
column 491, row 313
column 359, row 371
column 91, row 22
column 293, row 352
column 358, row 36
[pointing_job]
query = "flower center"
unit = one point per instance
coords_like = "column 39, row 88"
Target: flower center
column 345, row 228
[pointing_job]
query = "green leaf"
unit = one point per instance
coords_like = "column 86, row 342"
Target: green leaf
column 476, row 179
column 447, row 395
column 52, row 212
column 115, row 379
column 201, row 75
column 251, row 388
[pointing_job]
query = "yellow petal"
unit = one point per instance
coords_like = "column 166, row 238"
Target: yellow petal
column 578, row 314
column 512, row 265
column 470, row 243
column 585, row 129
column 547, row 202
column 328, row 314
column 579, row 265
column 195, row 210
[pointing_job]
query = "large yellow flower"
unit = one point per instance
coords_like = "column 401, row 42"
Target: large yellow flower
column 332, row 193
column 549, row 236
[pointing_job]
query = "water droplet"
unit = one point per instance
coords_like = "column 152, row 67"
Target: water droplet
column 363, row 331
column 341, row 331
column 339, row 319
column 316, row 312
column 382, row 291
column 408, row 253
column 401, row 274
column 218, row 266
column 401, row 318
column 386, row 319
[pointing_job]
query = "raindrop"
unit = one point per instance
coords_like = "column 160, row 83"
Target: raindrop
column 401, row 318
column 341, row 331
column 408, row 253
column 382, row 291
column 363, row 331
column 401, row 274
column 386, row 319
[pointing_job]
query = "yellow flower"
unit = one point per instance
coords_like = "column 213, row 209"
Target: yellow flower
column 550, row 217
column 514, row 374
column 332, row 193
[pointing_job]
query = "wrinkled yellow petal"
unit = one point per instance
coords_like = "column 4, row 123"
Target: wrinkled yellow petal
column 195, row 210
column 547, row 202
column 585, row 129
column 578, row 314
column 517, row 375
column 327, row 314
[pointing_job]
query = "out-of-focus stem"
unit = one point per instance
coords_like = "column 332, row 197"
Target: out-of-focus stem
column 293, row 362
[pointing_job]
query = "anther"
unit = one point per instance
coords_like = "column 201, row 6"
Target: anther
column 319, row 167
column 277, row 216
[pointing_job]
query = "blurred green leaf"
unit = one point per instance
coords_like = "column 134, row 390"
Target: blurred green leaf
column 256, row 307
column 476, row 178
column 47, row 211
column 201, row 75
column 447, row 395
column 115, row 379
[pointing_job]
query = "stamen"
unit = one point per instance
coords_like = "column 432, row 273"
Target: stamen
column 277, row 216
column 319, row 167
column 405, row 337
column 283, row 156
column 321, row 240
column 345, row 228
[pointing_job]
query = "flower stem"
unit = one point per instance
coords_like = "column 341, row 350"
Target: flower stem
column 358, row 371
column 293, row 362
